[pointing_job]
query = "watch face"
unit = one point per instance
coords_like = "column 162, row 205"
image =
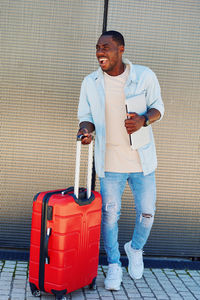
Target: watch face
column 147, row 122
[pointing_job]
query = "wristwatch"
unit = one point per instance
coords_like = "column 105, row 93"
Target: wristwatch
column 147, row 122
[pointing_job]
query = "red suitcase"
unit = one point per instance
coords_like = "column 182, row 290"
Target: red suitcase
column 65, row 237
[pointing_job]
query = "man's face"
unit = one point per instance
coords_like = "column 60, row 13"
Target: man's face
column 109, row 55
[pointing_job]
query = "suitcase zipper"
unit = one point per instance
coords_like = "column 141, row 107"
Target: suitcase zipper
column 43, row 240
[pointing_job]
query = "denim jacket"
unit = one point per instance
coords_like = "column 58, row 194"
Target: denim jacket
column 92, row 108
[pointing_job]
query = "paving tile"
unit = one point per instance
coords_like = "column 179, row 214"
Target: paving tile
column 5, row 285
column 5, row 297
column 77, row 297
column 5, row 293
column 146, row 294
column 175, row 297
column 121, row 297
column 18, row 290
column 6, row 276
column 17, row 297
column 9, row 263
column 136, row 298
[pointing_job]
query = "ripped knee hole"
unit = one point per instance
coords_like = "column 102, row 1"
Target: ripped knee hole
column 147, row 216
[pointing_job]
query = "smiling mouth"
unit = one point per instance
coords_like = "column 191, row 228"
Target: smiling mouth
column 102, row 61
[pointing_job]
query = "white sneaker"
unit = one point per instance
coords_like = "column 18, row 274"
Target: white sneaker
column 135, row 261
column 113, row 278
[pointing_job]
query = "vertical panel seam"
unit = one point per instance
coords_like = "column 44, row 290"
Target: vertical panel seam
column 105, row 15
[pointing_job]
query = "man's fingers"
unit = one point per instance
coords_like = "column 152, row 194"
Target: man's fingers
column 130, row 115
column 83, row 132
column 130, row 123
column 87, row 138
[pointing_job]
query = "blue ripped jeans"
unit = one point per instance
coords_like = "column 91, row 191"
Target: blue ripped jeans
column 144, row 192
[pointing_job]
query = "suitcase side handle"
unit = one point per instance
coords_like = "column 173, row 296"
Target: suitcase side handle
column 46, row 244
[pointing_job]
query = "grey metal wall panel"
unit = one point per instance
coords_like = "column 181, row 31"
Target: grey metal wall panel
column 164, row 35
column 47, row 47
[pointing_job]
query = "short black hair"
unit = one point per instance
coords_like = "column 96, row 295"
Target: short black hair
column 116, row 36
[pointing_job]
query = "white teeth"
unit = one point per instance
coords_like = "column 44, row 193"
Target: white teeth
column 101, row 60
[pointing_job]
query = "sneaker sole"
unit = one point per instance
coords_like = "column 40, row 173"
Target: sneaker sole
column 112, row 289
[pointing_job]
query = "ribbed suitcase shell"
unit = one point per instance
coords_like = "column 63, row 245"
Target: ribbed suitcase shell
column 73, row 245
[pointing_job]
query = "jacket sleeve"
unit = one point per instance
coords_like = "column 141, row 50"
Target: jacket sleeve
column 153, row 93
column 84, row 109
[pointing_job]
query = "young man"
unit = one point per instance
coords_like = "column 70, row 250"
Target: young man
column 102, row 108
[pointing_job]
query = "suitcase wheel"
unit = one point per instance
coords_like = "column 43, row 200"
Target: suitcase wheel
column 35, row 292
column 93, row 286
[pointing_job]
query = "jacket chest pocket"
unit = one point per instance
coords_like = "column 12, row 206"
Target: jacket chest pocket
column 135, row 88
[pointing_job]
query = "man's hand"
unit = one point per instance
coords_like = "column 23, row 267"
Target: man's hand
column 134, row 122
column 87, row 137
column 86, row 129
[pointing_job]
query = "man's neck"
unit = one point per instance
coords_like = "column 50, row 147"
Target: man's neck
column 118, row 70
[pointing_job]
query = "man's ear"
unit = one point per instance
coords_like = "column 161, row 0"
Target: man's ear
column 121, row 49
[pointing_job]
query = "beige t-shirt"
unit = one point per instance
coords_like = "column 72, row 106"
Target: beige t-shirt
column 119, row 155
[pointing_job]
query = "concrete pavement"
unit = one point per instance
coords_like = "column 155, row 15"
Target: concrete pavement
column 159, row 284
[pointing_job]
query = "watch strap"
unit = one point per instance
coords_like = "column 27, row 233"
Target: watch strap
column 147, row 122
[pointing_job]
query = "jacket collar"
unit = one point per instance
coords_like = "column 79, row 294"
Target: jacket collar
column 131, row 77
column 132, row 73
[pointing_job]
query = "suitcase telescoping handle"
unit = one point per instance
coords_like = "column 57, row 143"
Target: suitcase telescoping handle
column 77, row 168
